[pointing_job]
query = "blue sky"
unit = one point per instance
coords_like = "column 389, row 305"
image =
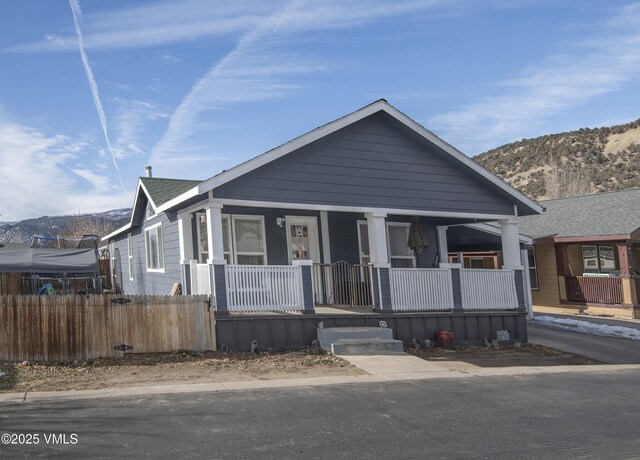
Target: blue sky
column 91, row 92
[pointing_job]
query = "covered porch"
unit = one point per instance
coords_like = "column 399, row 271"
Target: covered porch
column 266, row 260
column 597, row 275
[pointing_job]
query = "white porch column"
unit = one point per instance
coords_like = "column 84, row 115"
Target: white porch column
column 510, row 244
column 443, row 249
column 377, row 230
column 185, row 236
column 214, row 233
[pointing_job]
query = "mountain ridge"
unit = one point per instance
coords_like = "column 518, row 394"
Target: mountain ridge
column 578, row 162
column 97, row 223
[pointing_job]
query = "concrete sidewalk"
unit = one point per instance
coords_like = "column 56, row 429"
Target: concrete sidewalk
column 385, row 368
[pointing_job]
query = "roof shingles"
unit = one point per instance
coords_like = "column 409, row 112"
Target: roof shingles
column 162, row 190
column 611, row 213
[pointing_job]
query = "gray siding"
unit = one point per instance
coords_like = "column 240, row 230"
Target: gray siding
column 375, row 162
column 151, row 283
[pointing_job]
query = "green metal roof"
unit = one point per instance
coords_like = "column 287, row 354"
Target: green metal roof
column 163, row 190
column 610, row 213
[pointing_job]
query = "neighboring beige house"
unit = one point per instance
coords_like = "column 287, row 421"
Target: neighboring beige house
column 585, row 254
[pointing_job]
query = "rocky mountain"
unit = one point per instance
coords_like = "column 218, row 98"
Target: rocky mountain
column 588, row 160
column 99, row 224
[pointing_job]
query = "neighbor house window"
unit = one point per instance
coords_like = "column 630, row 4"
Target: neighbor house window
column 249, row 240
column 154, row 248
column 533, row 271
column 130, row 256
column 400, row 255
column 598, row 259
column 476, row 262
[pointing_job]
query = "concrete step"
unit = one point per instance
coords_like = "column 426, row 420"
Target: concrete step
column 367, row 346
column 358, row 340
column 329, row 335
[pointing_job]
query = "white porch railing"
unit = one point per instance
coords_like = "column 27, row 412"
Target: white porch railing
column 421, row 289
column 264, row 288
column 488, row 289
column 200, row 279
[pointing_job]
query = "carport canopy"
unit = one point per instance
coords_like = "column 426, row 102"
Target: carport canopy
column 48, row 261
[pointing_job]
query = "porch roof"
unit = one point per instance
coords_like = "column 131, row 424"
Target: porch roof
column 610, row 215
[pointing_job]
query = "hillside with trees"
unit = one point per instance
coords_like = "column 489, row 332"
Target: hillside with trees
column 589, row 160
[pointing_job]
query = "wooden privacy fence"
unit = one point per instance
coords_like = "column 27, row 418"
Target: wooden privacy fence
column 74, row 327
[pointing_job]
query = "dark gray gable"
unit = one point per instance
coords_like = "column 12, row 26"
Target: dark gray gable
column 374, row 162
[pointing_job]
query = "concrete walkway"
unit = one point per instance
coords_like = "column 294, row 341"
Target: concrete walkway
column 397, row 366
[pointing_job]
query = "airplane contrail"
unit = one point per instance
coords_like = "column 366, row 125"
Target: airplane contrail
column 77, row 14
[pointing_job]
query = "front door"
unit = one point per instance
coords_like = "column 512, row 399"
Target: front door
column 302, row 238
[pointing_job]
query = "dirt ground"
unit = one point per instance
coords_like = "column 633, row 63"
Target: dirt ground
column 210, row 367
column 461, row 358
column 166, row 368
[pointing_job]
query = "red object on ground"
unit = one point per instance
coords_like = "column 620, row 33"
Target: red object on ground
column 445, row 338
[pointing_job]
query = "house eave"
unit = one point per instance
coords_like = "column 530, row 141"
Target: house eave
column 342, row 122
column 591, row 238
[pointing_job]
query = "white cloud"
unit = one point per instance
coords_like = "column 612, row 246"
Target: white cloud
column 594, row 67
column 258, row 68
column 187, row 21
column 132, row 118
column 36, row 179
column 77, row 16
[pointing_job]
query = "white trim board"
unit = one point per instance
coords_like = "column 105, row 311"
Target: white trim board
column 356, row 209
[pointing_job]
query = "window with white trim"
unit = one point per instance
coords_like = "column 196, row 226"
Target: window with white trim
column 203, row 240
column 249, row 242
column 400, row 254
column 130, row 255
column 533, row 271
column 153, row 246
column 226, row 238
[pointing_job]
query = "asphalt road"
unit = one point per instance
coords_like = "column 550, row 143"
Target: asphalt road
column 592, row 415
column 610, row 350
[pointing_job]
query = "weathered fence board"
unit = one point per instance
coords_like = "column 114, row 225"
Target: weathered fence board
column 74, row 327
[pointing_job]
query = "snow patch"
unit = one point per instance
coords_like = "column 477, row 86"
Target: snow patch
column 589, row 328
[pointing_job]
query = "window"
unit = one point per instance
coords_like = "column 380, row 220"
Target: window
column 476, row 262
column 400, row 254
column 153, row 247
column 130, row 256
column 598, row 259
column 533, row 271
column 363, row 242
column 249, row 240
column 150, row 212
column 203, row 241
column 226, row 238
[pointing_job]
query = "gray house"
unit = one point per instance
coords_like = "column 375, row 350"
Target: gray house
column 325, row 219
